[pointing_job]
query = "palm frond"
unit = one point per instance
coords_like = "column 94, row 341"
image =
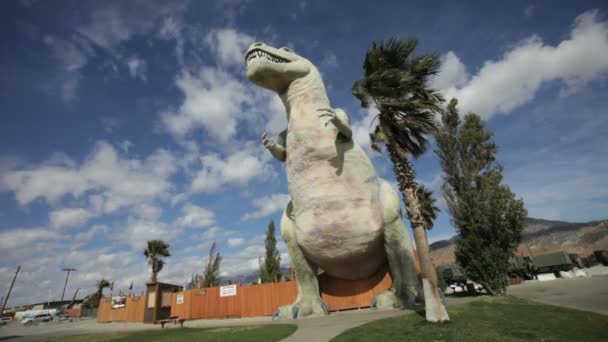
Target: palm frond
column 428, row 210
column 399, row 86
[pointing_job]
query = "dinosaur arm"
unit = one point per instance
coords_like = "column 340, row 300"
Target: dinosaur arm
column 277, row 149
column 338, row 118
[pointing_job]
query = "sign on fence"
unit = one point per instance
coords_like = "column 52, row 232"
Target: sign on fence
column 180, row 298
column 228, row 290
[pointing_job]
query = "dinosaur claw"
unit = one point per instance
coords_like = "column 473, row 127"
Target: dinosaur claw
column 325, row 308
column 294, row 311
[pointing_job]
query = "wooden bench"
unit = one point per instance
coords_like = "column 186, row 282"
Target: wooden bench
column 172, row 319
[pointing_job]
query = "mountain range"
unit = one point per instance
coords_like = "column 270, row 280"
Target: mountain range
column 542, row 236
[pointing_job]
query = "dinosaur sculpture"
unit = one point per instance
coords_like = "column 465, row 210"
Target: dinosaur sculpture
column 342, row 218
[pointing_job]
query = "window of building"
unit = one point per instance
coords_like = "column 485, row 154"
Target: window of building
column 166, row 300
column 151, row 299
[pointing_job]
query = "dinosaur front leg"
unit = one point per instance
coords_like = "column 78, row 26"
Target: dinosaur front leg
column 339, row 119
column 406, row 291
column 277, row 149
column 308, row 302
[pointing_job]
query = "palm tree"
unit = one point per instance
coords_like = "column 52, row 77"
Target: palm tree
column 428, row 210
column 397, row 84
column 156, row 249
column 101, row 284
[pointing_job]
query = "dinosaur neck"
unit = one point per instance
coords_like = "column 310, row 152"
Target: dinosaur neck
column 307, row 92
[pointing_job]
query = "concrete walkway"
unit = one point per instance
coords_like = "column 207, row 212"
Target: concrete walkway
column 325, row 328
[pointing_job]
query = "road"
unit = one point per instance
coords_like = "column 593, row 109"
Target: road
column 587, row 294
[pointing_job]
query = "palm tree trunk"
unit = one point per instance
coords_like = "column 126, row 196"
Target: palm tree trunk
column 404, row 173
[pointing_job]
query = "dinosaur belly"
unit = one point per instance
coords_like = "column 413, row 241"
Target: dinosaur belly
column 338, row 214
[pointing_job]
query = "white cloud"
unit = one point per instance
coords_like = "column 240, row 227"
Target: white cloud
column 88, row 235
column 147, row 211
column 139, row 231
column 195, row 216
column 110, row 24
column 235, row 242
column 137, row 67
column 73, row 54
column 267, row 205
column 229, row 45
column 362, row 128
column 116, row 182
column 22, row 238
column 277, row 116
column 213, row 101
column 237, row 168
column 503, row 85
column 70, row 217
column 453, row 73
column 107, row 26
column 171, row 28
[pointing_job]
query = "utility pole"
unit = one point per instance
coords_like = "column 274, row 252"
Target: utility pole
column 66, row 279
column 9, row 291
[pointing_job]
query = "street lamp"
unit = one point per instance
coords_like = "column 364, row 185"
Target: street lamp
column 66, row 279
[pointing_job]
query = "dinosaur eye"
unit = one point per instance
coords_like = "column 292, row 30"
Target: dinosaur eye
column 286, row 49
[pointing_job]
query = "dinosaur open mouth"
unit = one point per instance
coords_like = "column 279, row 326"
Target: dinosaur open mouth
column 253, row 54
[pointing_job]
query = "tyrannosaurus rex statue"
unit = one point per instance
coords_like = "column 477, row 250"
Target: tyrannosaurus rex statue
column 342, row 217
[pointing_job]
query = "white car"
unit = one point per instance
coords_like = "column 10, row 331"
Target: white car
column 37, row 319
column 5, row 320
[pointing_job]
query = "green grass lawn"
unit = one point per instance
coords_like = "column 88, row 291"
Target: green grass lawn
column 489, row 319
column 264, row 333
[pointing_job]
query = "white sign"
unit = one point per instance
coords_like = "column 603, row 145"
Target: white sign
column 180, row 298
column 228, row 290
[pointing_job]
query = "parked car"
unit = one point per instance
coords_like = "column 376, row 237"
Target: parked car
column 46, row 317
column 5, row 320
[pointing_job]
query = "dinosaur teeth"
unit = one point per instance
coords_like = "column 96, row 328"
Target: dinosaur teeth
column 263, row 54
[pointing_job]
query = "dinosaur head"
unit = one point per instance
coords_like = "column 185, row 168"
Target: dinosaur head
column 275, row 69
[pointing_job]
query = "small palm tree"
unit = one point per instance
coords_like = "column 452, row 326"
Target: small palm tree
column 156, row 249
column 101, row 284
column 428, row 210
column 397, row 84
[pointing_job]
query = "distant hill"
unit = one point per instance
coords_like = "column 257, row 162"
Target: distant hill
column 544, row 236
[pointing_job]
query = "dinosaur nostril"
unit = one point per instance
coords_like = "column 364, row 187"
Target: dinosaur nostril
column 258, row 44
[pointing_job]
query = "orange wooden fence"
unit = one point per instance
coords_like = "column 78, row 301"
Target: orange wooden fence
column 348, row 294
column 133, row 311
column 263, row 300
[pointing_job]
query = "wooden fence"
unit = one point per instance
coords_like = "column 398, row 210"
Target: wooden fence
column 133, row 311
column 264, row 299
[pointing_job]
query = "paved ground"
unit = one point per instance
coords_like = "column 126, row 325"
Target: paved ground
column 309, row 329
column 588, row 294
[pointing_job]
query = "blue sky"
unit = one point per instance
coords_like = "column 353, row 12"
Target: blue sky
column 127, row 121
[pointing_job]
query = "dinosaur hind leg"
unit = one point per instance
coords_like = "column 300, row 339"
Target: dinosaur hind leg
column 399, row 249
column 308, row 302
